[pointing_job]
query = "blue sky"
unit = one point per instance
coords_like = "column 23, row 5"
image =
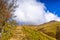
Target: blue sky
column 52, row 5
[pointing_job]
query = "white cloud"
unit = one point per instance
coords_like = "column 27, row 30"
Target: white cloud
column 32, row 12
column 50, row 16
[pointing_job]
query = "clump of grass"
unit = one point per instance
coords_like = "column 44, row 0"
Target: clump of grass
column 8, row 31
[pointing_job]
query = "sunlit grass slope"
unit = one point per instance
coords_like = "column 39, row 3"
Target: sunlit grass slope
column 32, row 34
column 45, row 31
column 49, row 28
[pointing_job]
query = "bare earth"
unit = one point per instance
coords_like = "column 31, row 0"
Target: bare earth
column 18, row 35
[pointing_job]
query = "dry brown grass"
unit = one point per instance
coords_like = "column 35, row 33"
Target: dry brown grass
column 49, row 29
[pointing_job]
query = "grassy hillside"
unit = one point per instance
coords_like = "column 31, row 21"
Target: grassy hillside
column 32, row 34
column 50, row 28
column 47, row 31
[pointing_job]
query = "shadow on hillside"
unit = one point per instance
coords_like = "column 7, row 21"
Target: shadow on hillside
column 58, row 33
column 48, row 33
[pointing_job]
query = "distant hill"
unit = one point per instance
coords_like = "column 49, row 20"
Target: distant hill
column 46, row 31
column 51, row 28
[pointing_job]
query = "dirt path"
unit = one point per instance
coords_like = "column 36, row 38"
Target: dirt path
column 18, row 35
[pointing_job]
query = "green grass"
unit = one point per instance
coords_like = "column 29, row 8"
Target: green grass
column 45, row 31
column 32, row 34
column 49, row 28
column 8, row 31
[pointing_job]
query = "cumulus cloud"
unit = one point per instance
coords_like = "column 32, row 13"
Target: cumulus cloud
column 32, row 12
column 50, row 16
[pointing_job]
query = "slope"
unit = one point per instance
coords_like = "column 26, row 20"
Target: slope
column 47, row 31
